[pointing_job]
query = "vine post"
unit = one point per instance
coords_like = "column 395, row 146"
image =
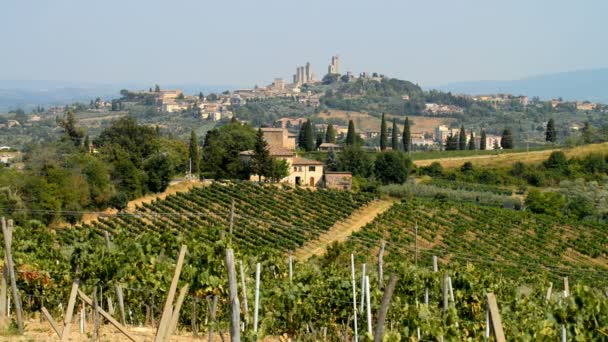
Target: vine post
column 244, row 290
column 380, row 257
column 257, row 298
column 362, row 289
column 168, row 308
column 386, row 300
column 369, row 309
column 7, row 231
column 235, row 306
column 121, row 303
column 494, row 317
column 352, row 268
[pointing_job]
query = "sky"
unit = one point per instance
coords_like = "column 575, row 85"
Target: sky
column 249, row 42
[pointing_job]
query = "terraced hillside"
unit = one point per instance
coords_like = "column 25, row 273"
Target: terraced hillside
column 264, row 216
column 514, row 242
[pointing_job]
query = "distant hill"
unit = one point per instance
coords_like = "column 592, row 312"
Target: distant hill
column 591, row 85
column 29, row 94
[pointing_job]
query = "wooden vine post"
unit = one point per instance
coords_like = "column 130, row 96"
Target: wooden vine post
column 164, row 327
column 386, row 300
column 494, row 318
column 244, row 290
column 380, row 264
column 7, row 232
column 235, row 306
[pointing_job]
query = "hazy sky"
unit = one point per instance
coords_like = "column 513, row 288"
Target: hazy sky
column 252, row 41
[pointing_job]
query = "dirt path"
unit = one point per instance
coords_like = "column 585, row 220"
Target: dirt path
column 343, row 229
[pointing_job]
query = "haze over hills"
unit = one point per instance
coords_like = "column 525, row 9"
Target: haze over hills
column 27, row 94
column 590, row 85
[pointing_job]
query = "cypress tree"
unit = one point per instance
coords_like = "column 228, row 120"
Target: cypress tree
column 261, row 160
column 193, row 152
column 309, row 137
column 395, row 136
column 350, row 134
column 319, row 141
column 407, row 135
column 301, row 139
column 482, row 140
column 383, row 134
column 472, row 141
column 451, row 143
column 330, row 134
column 462, row 139
column 551, row 133
column 506, row 141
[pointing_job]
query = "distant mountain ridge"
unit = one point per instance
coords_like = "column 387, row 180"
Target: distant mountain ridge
column 581, row 85
column 27, row 94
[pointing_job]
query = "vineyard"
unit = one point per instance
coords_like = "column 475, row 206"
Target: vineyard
column 259, row 213
column 515, row 255
column 515, row 242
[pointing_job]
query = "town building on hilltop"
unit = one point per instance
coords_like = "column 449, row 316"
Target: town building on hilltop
column 334, row 66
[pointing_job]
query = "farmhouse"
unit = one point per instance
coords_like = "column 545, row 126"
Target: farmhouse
column 302, row 171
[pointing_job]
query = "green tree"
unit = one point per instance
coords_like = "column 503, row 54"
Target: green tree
column 451, row 143
column 70, row 130
column 587, row 133
column 395, row 136
column 222, row 148
column 482, row 140
column 156, row 88
column 472, row 141
column 355, row 160
column 331, row 162
column 330, row 134
column 159, row 171
column 383, row 134
column 506, row 141
column 351, row 134
column 279, row 169
column 407, row 135
column 551, row 133
column 193, row 153
column 309, row 137
column 462, row 139
column 319, row 140
column 392, row 167
column 550, row 203
column 261, row 161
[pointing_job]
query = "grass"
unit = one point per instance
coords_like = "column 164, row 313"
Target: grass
column 505, row 158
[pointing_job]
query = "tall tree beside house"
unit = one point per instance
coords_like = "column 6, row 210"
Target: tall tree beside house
column 201, row 97
column 331, row 162
column 462, row 139
column 506, row 141
column 407, row 135
column 551, row 133
column 156, row 88
column 279, row 169
column 395, row 136
column 319, row 140
column 350, row 134
column 472, row 141
column 482, row 140
column 330, row 134
column 261, row 160
column 193, row 153
column 301, row 140
column 309, row 137
column 383, row 134
column 86, row 144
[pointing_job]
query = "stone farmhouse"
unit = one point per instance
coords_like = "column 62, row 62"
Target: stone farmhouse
column 302, row 171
